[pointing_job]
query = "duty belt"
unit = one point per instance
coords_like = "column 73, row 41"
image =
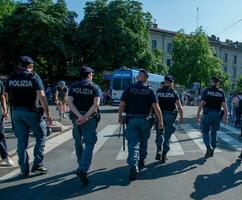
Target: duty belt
column 18, row 108
column 137, row 116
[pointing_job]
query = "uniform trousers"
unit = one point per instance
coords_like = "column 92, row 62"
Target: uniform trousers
column 24, row 121
column 85, row 137
column 137, row 135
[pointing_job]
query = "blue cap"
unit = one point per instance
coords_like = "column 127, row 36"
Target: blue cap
column 169, row 78
column 215, row 79
column 145, row 72
column 86, row 69
column 25, row 61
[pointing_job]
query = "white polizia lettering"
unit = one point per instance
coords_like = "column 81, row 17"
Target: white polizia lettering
column 20, row 83
column 84, row 91
column 215, row 94
column 165, row 94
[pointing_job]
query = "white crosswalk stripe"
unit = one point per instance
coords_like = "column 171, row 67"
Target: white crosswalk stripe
column 231, row 129
column 196, row 136
column 230, row 140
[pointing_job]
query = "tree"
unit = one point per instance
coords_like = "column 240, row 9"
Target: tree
column 194, row 60
column 44, row 30
column 239, row 84
column 6, row 8
column 116, row 33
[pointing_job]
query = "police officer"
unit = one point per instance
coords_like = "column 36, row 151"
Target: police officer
column 137, row 101
column 169, row 103
column 83, row 100
column 212, row 100
column 22, row 88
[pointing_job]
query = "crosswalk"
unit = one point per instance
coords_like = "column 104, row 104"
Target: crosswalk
column 227, row 134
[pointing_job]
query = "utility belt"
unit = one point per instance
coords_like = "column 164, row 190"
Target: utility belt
column 168, row 112
column 127, row 117
column 96, row 115
column 38, row 110
column 209, row 110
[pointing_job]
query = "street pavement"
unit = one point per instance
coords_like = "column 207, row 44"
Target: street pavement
column 186, row 175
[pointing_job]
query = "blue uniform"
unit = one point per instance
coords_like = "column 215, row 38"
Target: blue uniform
column 213, row 98
column 21, row 88
column 3, row 143
column 167, row 98
column 83, row 93
column 139, row 99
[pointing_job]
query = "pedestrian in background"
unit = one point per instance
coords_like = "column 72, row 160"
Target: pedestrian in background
column 84, row 100
column 61, row 98
column 3, row 115
column 23, row 88
column 137, row 101
column 213, row 98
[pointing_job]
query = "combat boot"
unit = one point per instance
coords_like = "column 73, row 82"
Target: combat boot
column 209, row 153
column 164, row 158
column 133, row 172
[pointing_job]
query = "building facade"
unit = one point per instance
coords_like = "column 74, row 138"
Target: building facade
column 229, row 52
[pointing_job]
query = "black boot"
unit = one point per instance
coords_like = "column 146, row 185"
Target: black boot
column 133, row 172
column 158, row 156
column 240, row 156
column 83, row 177
column 164, row 158
column 209, row 153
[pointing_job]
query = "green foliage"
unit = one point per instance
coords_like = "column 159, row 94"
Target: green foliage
column 239, row 84
column 116, row 33
column 6, row 8
column 194, row 60
column 44, row 30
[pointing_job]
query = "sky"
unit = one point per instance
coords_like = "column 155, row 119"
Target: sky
column 218, row 17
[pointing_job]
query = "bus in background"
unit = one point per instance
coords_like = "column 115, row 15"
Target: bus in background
column 123, row 77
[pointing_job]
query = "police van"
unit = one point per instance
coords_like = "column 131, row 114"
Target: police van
column 123, row 77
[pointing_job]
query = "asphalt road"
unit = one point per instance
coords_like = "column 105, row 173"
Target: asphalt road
column 186, row 175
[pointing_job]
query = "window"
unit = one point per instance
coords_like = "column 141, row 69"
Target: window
column 225, row 57
column 169, row 47
column 234, row 73
column 225, row 69
column 235, row 60
column 126, row 83
column 168, row 62
column 117, row 83
column 154, row 44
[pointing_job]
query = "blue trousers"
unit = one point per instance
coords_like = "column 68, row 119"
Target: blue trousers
column 3, row 143
column 137, row 134
column 85, row 137
column 209, row 126
column 24, row 121
column 163, row 136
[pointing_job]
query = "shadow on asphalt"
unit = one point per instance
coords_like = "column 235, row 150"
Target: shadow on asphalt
column 211, row 184
column 63, row 187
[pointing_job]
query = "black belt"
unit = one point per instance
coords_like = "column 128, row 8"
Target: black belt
column 24, row 109
column 137, row 116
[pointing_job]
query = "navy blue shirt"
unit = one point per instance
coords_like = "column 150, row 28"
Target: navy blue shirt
column 213, row 97
column 139, row 99
column 22, row 87
column 83, row 93
column 167, row 98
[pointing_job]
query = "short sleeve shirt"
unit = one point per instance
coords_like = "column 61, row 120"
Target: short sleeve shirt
column 167, row 98
column 213, row 98
column 22, row 87
column 83, row 93
column 139, row 99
